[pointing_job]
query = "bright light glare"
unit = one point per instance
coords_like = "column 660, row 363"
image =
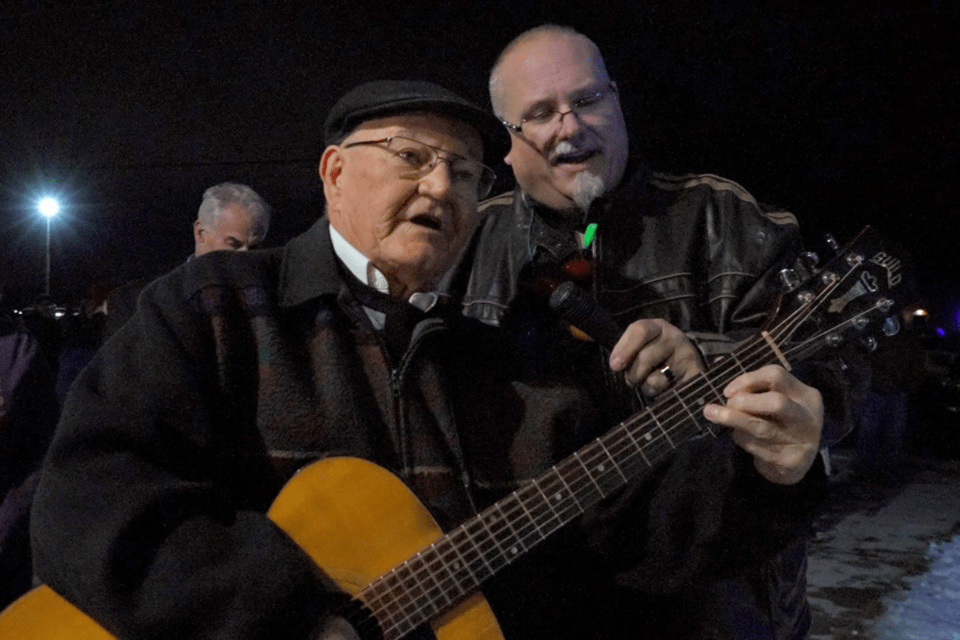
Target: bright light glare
column 49, row 207
column 920, row 313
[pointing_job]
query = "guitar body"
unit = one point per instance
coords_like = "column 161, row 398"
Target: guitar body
column 358, row 521
column 355, row 519
column 42, row 613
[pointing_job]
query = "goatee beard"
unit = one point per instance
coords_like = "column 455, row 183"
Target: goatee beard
column 587, row 187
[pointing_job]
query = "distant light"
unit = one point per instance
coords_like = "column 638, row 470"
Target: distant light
column 941, row 332
column 49, row 207
column 920, row 313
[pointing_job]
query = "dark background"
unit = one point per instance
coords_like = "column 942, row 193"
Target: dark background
column 845, row 113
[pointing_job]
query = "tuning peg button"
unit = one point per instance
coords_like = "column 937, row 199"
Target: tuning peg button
column 869, row 343
column 890, row 327
column 790, row 279
column 810, row 258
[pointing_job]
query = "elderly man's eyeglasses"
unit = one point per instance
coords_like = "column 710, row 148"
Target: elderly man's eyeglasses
column 413, row 160
column 545, row 119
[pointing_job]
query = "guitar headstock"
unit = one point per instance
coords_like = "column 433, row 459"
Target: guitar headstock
column 850, row 298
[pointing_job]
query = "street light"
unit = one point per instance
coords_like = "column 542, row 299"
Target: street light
column 48, row 208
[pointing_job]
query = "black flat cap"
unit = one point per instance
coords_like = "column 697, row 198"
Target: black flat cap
column 383, row 98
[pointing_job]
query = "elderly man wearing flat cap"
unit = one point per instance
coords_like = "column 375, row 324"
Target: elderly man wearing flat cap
column 239, row 370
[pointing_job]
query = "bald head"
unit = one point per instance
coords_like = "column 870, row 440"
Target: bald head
column 544, row 34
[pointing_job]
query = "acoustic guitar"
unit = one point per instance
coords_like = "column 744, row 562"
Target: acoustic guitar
column 403, row 571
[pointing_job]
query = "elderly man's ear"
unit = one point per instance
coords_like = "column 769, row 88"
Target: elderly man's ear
column 331, row 166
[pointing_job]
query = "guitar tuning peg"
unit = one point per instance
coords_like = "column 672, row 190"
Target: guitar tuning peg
column 869, row 343
column 810, row 259
column 790, row 279
column 885, row 304
column 890, row 327
column 831, row 243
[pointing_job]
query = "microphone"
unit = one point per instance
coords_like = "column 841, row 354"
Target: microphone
column 580, row 309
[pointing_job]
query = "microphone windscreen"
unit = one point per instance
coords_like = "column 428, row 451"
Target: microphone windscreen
column 580, row 309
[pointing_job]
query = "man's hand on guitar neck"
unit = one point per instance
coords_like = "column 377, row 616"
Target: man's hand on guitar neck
column 775, row 418
column 336, row 628
column 647, row 347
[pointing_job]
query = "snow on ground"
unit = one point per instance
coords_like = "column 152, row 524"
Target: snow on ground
column 885, row 562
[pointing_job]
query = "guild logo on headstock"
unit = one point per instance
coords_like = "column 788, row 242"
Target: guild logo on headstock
column 892, row 265
column 866, row 283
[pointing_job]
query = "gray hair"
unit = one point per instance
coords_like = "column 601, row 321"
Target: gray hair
column 221, row 195
column 496, row 77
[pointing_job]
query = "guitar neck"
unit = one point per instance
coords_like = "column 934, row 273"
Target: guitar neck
column 455, row 566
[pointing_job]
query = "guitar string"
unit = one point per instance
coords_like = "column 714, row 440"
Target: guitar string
column 595, row 450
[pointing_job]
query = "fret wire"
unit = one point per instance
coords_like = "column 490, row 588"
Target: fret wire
column 546, row 501
column 530, row 517
column 576, row 474
column 551, row 519
column 519, row 514
column 687, row 409
column 406, row 615
column 427, row 567
column 637, row 455
column 576, row 456
column 660, row 425
column 564, row 500
column 570, row 492
column 564, row 506
column 403, row 602
column 636, row 445
column 420, row 568
column 492, row 523
column 445, row 551
column 733, row 354
column 478, row 547
column 513, row 531
column 594, row 455
column 457, row 547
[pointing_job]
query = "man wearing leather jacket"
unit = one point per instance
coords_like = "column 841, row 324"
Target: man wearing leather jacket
column 685, row 265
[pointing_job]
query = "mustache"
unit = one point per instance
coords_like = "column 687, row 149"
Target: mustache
column 565, row 147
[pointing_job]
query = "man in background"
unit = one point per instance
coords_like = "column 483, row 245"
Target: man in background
column 232, row 217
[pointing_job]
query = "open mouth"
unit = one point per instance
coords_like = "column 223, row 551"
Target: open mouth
column 426, row 221
column 575, row 157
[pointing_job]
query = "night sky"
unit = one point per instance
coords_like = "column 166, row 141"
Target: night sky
column 845, row 114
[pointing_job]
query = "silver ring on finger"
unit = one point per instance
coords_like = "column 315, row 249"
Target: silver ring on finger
column 669, row 374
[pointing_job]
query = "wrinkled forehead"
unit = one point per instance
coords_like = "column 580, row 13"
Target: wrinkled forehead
column 550, row 66
column 439, row 130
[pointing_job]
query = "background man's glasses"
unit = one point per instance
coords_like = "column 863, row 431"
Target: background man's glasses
column 413, row 160
column 544, row 120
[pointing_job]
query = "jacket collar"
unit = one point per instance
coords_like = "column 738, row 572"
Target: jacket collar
column 635, row 178
column 309, row 268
